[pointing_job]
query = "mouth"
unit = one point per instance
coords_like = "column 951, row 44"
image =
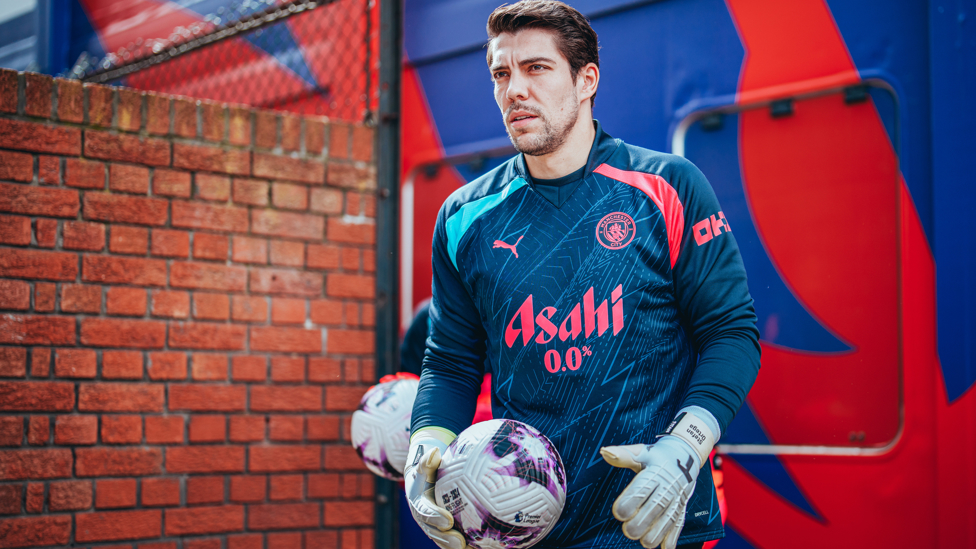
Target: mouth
column 521, row 119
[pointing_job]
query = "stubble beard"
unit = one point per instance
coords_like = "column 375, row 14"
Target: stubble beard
column 553, row 134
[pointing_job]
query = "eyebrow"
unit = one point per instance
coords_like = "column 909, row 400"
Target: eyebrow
column 530, row 61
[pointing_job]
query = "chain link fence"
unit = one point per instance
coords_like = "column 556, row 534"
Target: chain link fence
column 314, row 57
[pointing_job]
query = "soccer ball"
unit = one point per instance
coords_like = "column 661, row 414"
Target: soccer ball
column 381, row 426
column 504, row 483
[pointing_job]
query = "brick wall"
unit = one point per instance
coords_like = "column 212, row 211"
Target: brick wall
column 186, row 322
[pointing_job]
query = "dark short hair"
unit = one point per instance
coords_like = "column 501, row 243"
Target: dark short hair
column 575, row 38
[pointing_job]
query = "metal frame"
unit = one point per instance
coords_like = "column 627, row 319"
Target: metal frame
column 387, row 147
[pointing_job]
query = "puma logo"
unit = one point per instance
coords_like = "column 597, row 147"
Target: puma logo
column 502, row 244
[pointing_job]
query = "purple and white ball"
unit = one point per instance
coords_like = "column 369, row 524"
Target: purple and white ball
column 504, row 483
column 381, row 427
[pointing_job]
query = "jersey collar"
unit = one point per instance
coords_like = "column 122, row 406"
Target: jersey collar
column 603, row 147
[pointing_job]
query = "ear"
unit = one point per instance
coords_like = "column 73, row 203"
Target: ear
column 587, row 81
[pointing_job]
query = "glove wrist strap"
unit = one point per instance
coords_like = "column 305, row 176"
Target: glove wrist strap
column 691, row 429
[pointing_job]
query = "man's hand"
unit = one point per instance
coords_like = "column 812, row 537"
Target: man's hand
column 652, row 507
column 419, row 476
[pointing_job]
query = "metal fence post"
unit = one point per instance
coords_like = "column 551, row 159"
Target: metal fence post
column 387, row 225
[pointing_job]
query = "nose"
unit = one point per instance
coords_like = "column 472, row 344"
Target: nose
column 518, row 89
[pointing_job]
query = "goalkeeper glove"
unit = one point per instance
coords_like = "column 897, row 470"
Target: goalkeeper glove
column 419, row 476
column 652, row 507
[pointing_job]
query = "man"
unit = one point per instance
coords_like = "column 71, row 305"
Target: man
column 602, row 284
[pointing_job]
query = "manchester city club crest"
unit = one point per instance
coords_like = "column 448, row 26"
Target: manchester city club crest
column 615, row 230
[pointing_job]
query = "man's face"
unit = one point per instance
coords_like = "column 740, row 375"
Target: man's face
column 534, row 89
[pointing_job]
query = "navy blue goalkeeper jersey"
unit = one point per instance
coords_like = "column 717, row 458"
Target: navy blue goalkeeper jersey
column 599, row 320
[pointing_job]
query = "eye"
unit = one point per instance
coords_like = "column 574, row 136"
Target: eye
column 499, row 74
column 537, row 68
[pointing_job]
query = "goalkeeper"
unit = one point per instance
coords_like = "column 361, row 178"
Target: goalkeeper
column 603, row 285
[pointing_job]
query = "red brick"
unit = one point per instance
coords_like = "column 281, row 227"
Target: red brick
column 289, row 225
column 99, row 105
column 250, row 250
column 281, row 281
column 314, row 136
column 129, row 113
column 170, row 304
column 291, row 133
column 285, row 399
column 46, row 232
column 211, row 306
column 204, row 490
column 247, row 489
column 356, row 286
column 205, row 459
column 212, row 117
column 205, row 335
column 249, row 368
column 265, row 129
column 38, row 95
column 125, row 209
column 246, row 428
column 239, row 126
column 117, row 462
column 250, row 191
column 286, row 340
column 323, row 256
column 167, row 243
column 164, row 430
column 343, row 458
column 285, row 540
column 287, row 311
column 351, row 233
column 8, row 91
column 171, row 183
column 39, row 430
column 36, row 396
column 15, row 263
column 209, row 367
column 362, row 143
column 44, row 296
column 339, row 140
column 167, row 366
column 36, row 330
column 157, row 110
column 35, row 497
column 351, row 177
column 184, row 117
column 32, row 200
column 115, row 493
column 286, row 428
column 204, row 520
column 35, row 531
column 121, row 365
column 207, row 398
column 117, row 525
column 16, row 166
column 326, row 200
column 123, row 270
column 327, row 312
column 249, row 309
column 210, row 246
column 283, row 516
column 160, row 492
column 121, row 429
column 11, row 434
column 70, row 101
column 287, row 253
column 205, row 276
column 323, row 485
column 35, row 464
column 120, row 397
column 351, row 368
column 211, row 159
column 15, row 294
column 213, row 187
column 76, row 430
column 170, row 545
column 252, row 541
column 49, row 170
column 323, row 428
column 133, row 334
column 369, row 315
column 207, row 216
column 70, row 495
column 349, row 513
column 128, row 240
column 340, row 398
column 126, row 301
column 126, row 148
column 30, row 136
column 81, row 235
column 128, row 179
column 289, row 196
column 351, row 342
column 75, row 363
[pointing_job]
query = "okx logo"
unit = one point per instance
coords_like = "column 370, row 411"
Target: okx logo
column 709, row 228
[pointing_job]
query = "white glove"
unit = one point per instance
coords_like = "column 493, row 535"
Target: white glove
column 419, row 477
column 652, row 507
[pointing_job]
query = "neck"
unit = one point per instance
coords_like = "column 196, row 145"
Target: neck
column 568, row 158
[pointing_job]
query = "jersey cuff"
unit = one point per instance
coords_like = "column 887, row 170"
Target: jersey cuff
column 437, row 433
